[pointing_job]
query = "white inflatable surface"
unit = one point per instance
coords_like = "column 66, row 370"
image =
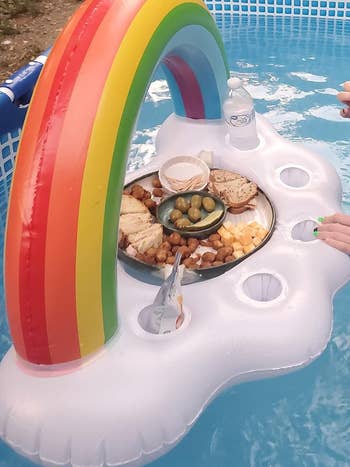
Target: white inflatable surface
column 271, row 314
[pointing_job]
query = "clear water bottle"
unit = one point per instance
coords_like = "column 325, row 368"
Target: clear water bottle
column 239, row 115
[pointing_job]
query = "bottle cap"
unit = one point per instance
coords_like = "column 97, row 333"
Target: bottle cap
column 234, row 83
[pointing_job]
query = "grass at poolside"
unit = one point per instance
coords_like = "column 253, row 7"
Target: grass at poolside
column 28, row 27
column 9, row 9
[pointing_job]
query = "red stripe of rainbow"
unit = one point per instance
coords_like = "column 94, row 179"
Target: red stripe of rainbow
column 62, row 222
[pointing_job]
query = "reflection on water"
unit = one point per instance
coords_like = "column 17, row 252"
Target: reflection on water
column 142, row 148
column 293, row 68
column 309, row 76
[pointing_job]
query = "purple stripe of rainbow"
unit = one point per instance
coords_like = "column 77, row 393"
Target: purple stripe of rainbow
column 188, row 86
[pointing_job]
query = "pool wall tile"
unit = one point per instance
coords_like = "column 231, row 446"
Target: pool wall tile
column 314, row 8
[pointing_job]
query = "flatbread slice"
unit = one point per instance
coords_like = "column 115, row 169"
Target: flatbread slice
column 131, row 205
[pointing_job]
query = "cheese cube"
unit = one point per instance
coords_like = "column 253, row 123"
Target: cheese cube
column 245, row 239
column 249, row 231
column 238, row 254
column 237, row 246
column 257, row 241
column 228, row 239
column 229, row 226
column 222, row 231
column 261, row 233
column 248, row 248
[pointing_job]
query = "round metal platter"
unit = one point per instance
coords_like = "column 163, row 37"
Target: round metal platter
column 264, row 214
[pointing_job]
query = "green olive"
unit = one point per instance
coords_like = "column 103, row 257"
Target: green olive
column 182, row 204
column 196, row 201
column 208, row 204
column 182, row 223
column 175, row 215
column 194, row 214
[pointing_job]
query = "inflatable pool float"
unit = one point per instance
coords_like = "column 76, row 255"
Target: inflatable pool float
column 84, row 383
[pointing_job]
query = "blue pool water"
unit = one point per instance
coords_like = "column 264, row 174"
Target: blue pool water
column 294, row 68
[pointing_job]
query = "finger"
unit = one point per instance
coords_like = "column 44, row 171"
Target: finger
column 339, row 236
column 345, row 229
column 337, row 218
column 345, row 113
column 341, row 246
column 346, row 86
column 344, row 96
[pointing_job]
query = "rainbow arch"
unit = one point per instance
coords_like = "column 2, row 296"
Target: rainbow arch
column 63, row 211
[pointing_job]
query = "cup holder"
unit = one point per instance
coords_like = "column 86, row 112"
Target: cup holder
column 262, row 287
column 304, row 231
column 294, row 177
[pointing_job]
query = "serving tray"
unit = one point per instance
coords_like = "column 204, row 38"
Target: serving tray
column 264, row 214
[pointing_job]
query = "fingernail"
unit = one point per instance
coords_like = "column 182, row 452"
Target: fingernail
column 320, row 219
column 315, row 232
column 315, row 229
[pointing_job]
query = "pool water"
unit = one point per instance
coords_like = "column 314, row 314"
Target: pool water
column 293, row 67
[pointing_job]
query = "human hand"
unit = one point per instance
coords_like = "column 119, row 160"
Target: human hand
column 344, row 97
column 335, row 231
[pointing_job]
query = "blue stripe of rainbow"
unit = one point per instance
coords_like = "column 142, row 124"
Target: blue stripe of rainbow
column 206, row 66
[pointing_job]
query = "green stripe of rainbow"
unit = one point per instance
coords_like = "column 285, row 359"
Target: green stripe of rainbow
column 62, row 223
